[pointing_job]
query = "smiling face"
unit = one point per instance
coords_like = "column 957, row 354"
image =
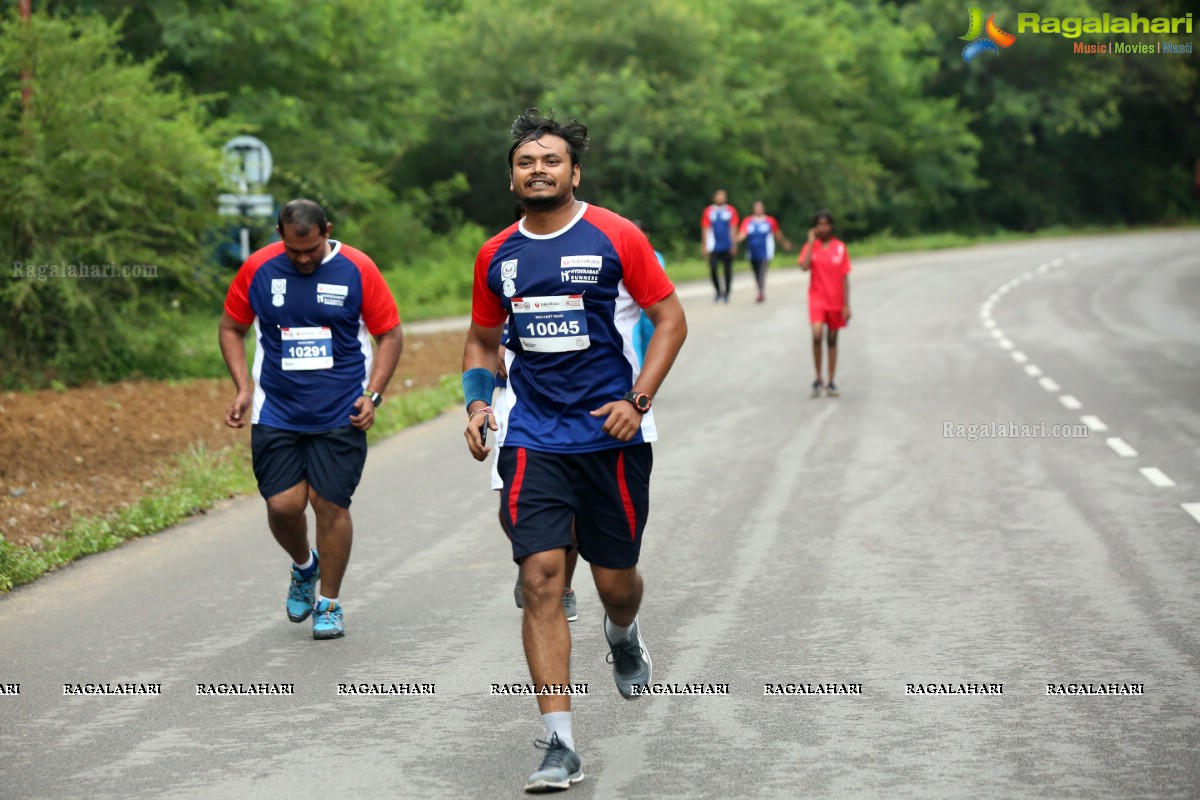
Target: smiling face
column 542, row 175
column 305, row 245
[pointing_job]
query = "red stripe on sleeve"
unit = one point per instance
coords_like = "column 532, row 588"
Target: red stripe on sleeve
column 486, row 308
column 237, row 299
column 626, row 500
column 644, row 277
column 514, row 493
column 378, row 310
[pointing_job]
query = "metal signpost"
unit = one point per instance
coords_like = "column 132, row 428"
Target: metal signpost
column 247, row 166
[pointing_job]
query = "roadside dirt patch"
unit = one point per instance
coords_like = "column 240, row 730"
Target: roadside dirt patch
column 92, row 450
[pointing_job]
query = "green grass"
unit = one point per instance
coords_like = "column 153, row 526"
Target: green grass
column 197, row 480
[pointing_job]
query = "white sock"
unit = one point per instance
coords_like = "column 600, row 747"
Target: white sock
column 615, row 632
column 559, row 722
column 320, row 597
column 307, row 564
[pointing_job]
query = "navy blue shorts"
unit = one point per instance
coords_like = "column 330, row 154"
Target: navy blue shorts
column 330, row 461
column 606, row 493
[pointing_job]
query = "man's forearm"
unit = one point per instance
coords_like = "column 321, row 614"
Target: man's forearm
column 233, row 350
column 387, row 355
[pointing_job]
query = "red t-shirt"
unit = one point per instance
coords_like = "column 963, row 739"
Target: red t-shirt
column 830, row 265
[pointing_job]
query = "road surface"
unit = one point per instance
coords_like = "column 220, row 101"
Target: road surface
column 887, row 543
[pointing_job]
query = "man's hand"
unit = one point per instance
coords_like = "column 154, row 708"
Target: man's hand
column 365, row 417
column 483, row 416
column 623, row 421
column 235, row 414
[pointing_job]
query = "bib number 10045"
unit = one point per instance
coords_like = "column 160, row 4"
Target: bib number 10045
column 551, row 324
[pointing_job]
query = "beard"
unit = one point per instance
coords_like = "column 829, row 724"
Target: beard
column 546, row 202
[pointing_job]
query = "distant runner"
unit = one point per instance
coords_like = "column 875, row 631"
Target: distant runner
column 718, row 239
column 828, row 293
column 760, row 231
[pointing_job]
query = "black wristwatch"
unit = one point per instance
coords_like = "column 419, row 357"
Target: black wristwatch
column 376, row 397
column 640, row 400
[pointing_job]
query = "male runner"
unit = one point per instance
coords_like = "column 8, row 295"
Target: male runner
column 718, row 239
column 312, row 301
column 828, row 293
column 577, row 445
column 759, row 231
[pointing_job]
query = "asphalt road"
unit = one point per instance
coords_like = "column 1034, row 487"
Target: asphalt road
column 791, row 541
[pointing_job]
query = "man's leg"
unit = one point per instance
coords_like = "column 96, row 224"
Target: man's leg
column 288, row 523
column 544, row 629
column 335, row 534
column 713, row 259
column 620, row 591
column 727, row 258
column 570, row 605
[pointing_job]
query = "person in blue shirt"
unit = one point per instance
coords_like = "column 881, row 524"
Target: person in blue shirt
column 760, row 231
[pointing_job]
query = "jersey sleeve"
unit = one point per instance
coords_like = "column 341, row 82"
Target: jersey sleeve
column 845, row 259
column 645, row 279
column 774, row 225
column 744, row 226
column 486, row 308
column 237, row 299
column 379, row 310
column 704, row 222
column 803, row 252
column 734, row 220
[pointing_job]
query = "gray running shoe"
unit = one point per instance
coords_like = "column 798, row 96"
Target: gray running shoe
column 569, row 604
column 630, row 660
column 816, row 388
column 560, row 768
column 518, row 592
column 832, row 390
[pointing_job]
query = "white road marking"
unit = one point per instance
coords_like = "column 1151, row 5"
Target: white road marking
column 1120, row 447
column 1003, row 289
column 993, row 297
column 1033, row 370
column 1006, row 344
column 1156, row 476
column 1043, row 269
column 1094, row 423
column 1193, row 509
column 989, row 323
column 997, row 333
column 1026, row 276
column 1048, row 384
column 1019, row 357
column 1058, row 262
column 1070, row 402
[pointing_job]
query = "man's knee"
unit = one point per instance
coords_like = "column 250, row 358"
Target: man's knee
column 543, row 575
column 324, row 508
column 617, row 586
column 288, row 503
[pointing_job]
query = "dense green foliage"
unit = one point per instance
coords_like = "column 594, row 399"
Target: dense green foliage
column 395, row 113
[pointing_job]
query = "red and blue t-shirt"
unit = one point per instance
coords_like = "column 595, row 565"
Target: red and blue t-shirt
column 571, row 299
column 718, row 224
column 313, row 355
column 760, row 236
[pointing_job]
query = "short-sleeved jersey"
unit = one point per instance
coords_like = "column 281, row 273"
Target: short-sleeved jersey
column 572, row 299
column 830, row 264
column 760, row 236
column 313, row 354
column 718, row 222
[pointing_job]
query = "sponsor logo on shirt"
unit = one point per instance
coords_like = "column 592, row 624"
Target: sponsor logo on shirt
column 330, row 294
column 508, row 269
column 581, row 269
column 278, row 285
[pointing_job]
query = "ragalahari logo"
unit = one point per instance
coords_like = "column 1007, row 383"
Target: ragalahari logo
column 984, row 38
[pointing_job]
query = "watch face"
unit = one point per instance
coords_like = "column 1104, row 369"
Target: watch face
column 642, row 402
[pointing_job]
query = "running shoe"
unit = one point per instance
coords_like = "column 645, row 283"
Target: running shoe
column 759, row 298
column 832, row 391
column 302, row 593
column 327, row 620
column 816, row 388
column 630, row 660
column 518, row 592
column 569, row 604
column 560, row 767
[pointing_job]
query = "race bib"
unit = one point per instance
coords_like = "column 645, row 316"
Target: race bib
column 307, row 348
column 550, row 324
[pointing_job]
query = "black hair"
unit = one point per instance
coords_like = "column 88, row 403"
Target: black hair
column 303, row 214
column 822, row 214
column 531, row 126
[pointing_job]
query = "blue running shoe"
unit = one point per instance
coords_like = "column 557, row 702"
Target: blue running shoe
column 302, row 593
column 327, row 620
column 560, row 768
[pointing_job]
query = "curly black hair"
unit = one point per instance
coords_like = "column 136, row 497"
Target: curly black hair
column 531, row 126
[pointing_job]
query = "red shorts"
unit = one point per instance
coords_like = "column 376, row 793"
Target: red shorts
column 820, row 312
